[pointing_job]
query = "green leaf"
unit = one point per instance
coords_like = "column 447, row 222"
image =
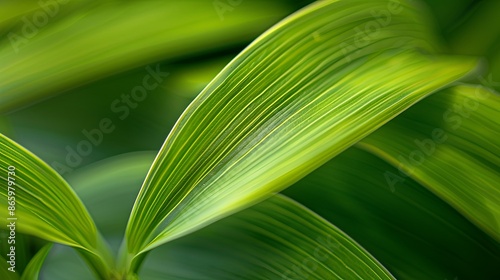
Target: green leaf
column 287, row 104
column 35, row 265
column 275, row 239
column 449, row 144
column 101, row 39
column 412, row 232
column 46, row 206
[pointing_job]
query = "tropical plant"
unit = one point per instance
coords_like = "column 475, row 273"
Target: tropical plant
column 348, row 141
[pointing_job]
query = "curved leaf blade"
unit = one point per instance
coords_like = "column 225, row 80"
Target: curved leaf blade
column 283, row 107
column 449, row 144
column 32, row 271
column 412, row 232
column 46, row 206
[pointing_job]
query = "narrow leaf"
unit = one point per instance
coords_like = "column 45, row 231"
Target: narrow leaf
column 46, row 205
column 32, row 271
column 412, row 232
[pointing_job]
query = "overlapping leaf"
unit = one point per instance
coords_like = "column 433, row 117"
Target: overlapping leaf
column 412, row 232
column 292, row 100
column 46, row 205
column 449, row 144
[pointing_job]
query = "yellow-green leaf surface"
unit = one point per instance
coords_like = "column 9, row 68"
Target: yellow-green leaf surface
column 288, row 103
column 411, row 231
column 32, row 271
column 45, row 205
column 450, row 144
column 95, row 40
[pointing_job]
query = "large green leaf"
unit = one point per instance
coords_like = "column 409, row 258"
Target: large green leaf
column 105, row 38
column 449, row 144
column 293, row 99
column 413, row 233
column 46, row 206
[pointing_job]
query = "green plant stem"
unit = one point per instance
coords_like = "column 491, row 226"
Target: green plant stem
column 129, row 263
